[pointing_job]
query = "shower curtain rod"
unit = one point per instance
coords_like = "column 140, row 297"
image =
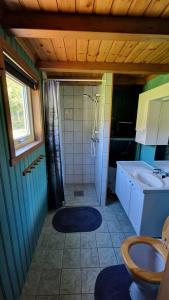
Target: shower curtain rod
column 74, row 80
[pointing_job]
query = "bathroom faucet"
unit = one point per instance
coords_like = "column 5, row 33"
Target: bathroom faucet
column 161, row 172
column 156, row 171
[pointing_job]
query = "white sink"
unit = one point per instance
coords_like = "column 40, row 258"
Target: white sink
column 148, row 178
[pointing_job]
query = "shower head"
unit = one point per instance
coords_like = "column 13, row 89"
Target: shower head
column 90, row 97
column 94, row 99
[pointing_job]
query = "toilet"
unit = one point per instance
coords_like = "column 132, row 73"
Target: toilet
column 145, row 259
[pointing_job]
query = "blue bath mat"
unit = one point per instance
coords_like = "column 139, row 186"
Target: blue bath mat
column 113, row 283
column 77, row 219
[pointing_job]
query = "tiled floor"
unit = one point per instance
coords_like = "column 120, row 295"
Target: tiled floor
column 89, row 197
column 65, row 266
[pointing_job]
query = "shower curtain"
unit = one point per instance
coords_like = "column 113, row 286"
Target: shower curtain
column 53, row 143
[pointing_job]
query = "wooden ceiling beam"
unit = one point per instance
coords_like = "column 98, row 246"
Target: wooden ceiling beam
column 129, row 81
column 52, row 25
column 89, row 67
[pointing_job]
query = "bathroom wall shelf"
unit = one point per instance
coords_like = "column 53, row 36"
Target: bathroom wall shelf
column 121, row 139
column 32, row 166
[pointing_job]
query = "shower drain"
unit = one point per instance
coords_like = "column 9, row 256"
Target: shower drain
column 78, row 193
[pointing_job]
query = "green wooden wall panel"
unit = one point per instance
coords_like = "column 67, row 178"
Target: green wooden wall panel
column 7, row 249
column 23, row 206
column 2, row 297
column 9, row 203
column 5, row 279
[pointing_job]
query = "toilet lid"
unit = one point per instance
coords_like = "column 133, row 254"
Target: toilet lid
column 153, row 277
column 165, row 233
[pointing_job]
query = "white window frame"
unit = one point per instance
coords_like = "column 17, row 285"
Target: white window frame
column 26, row 140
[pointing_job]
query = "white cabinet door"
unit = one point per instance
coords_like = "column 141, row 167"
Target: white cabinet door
column 126, row 193
column 163, row 128
column 136, row 207
column 119, row 183
column 123, row 189
column 152, row 124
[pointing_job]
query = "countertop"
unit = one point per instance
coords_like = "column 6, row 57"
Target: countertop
column 132, row 166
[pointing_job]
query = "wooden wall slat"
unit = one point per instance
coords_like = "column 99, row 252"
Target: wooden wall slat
column 120, row 7
column 147, row 52
column 137, row 8
column 102, row 7
column 30, row 5
column 66, row 6
column 23, row 207
column 9, row 205
column 5, row 279
column 27, row 206
column 30, row 192
column 48, row 5
column 93, row 48
column 25, row 44
column 104, row 49
column 125, row 51
column 24, row 218
column 48, row 49
column 10, row 281
column 161, row 51
column 115, row 48
column 38, row 48
column 162, row 58
column 2, row 294
column 165, row 13
column 84, row 6
column 165, row 60
column 70, row 47
column 116, row 7
column 18, row 220
column 82, row 47
column 13, row 4
column 59, row 48
column 156, row 8
column 136, row 51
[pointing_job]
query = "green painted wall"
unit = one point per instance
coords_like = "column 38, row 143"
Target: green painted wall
column 23, row 207
column 148, row 152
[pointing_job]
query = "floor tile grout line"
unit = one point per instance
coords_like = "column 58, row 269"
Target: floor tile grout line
column 108, row 230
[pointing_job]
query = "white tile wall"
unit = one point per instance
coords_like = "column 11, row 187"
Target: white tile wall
column 78, row 158
column 68, row 125
column 79, row 166
column 78, row 101
column 77, row 114
column 68, row 137
column 78, row 137
column 102, row 157
column 68, row 101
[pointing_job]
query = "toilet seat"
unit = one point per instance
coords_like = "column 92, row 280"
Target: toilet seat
column 139, row 273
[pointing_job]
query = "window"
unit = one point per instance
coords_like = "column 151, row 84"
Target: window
column 22, row 103
column 19, row 95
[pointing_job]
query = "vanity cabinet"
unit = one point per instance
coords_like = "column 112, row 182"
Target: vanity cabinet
column 146, row 209
column 130, row 197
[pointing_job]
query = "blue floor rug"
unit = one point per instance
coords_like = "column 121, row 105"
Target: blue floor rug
column 113, row 283
column 77, row 219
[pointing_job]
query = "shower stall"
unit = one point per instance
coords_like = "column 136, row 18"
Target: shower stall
column 85, row 129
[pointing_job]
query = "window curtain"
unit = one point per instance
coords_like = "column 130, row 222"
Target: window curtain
column 53, row 141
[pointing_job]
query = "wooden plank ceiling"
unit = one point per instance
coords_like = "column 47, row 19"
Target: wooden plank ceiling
column 155, row 8
column 68, row 49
